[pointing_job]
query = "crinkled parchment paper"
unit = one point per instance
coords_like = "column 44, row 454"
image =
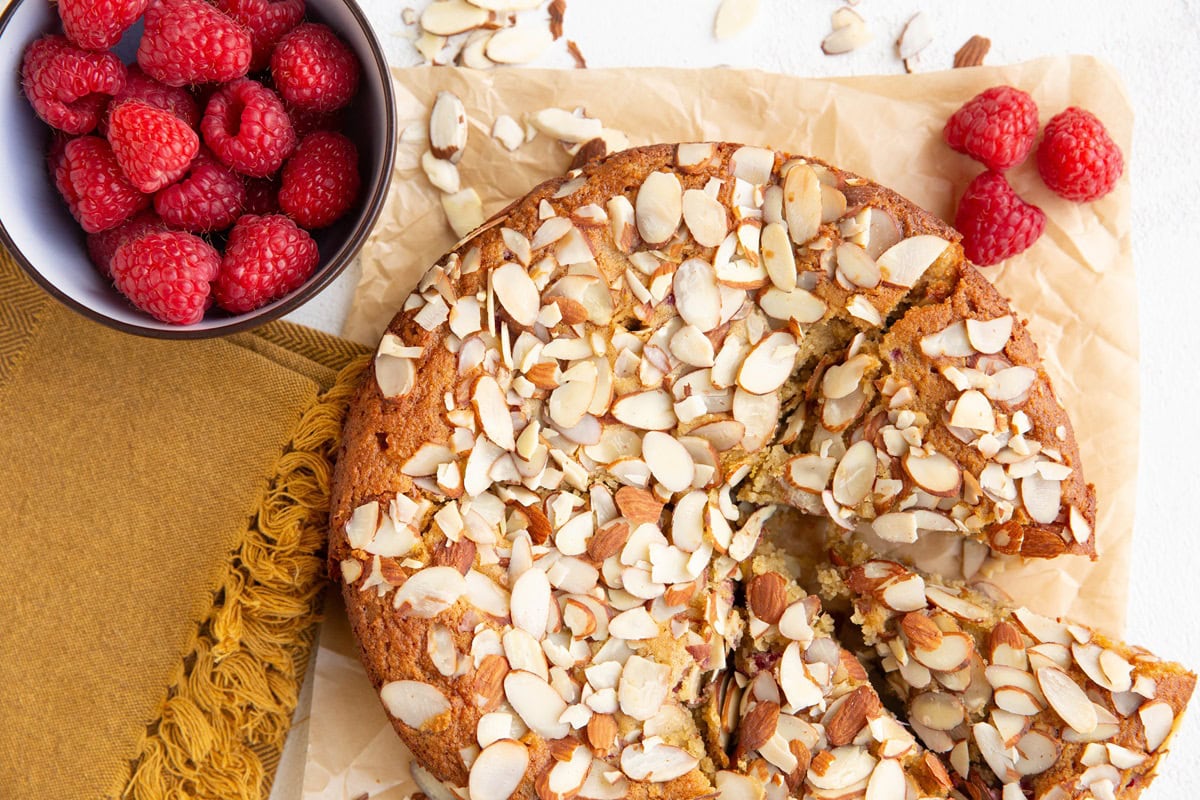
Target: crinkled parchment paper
column 1075, row 286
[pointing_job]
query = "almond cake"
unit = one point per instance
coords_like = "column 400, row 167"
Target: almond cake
column 556, row 510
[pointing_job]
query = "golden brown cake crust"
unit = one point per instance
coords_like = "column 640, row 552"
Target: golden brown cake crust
column 382, row 435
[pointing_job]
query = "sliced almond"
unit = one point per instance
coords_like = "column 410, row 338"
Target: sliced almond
column 858, row 268
column 951, row 341
column 990, row 336
column 855, row 474
column 659, row 207
column 565, row 126
column 935, row 473
column 697, row 297
column 899, row 527
column 448, row 120
column 531, row 601
column 1158, row 719
column 705, row 218
column 973, row 411
column 643, row 687
column 413, row 702
column 669, row 461
column 449, row 17
column 1042, row 498
column 810, row 473
column 939, row 711
column 752, row 164
column 802, row 203
column 518, row 45
column 733, row 17
column 778, row 257
column 916, row 36
column 951, row 654
column 846, row 38
column 464, row 211
column 904, row 594
column 429, row 592
column 905, row 262
column 508, row 132
column 656, row 763
column 492, row 409
column 769, row 363
column 498, row 770
column 1067, row 699
column 442, row 174
column 693, row 156
column 973, row 52
column 516, row 292
column 802, row 306
column 651, row 410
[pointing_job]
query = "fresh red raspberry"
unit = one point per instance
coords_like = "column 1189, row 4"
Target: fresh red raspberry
column 140, row 86
column 313, row 69
column 167, row 274
column 267, row 22
column 320, row 181
column 262, row 196
column 153, row 147
column 996, row 127
column 69, row 87
column 995, row 223
column 96, row 190
column 265, row 259
column 101, row 246
column 208, row 198
column 98, row 24
column 246, row 126
column 1077, row 158
column 305, row 122
column 189, row 41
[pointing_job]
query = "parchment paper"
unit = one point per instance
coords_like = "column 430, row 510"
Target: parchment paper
column 1075, row 286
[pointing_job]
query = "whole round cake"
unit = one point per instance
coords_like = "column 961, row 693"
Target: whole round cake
column 569, row 509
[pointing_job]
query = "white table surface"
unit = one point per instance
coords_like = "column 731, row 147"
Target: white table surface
column 1155, row 45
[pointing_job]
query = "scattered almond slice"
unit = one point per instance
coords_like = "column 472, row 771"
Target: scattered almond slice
column 508, row 132
column 518, row 45
column 448, row 17
column 733, row 17
column 916, row 36
column 850, row 32
column 973, row 52
column 442, row 174
column 464, row 211
column 564, row 125
column 448, row 127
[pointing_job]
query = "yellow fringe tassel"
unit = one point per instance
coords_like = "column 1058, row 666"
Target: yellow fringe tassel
column 230, row 700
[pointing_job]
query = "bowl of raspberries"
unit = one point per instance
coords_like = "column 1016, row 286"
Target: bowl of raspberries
column 186, row 168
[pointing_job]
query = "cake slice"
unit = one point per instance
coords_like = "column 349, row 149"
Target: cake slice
column 945, row 422
column 1021, row 705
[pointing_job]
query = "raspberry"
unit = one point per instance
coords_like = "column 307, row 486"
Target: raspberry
column 101, row 246
column 167, row 275
column 267, row 22
column 320, row 181
column 266, row 258
column 153, row 147
column 140, row 86
column 262, row 196
column 189, row 41
column 314, row 69
column 69, row 87
column 995, row 223
column 96, row 190
column 98, row 24
column 208, row 198
column 996, row 127
column 247, row 127
column 1077, row 158
column 305, row 122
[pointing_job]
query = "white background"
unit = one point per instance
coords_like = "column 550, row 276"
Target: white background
column 1155, row 46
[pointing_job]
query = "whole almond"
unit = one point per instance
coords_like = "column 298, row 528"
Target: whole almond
column 767, row 595
column 922, row 632
column 488, row 687
column 608, row 541
column 601, row 732
column 850, row 717
column 757, row 727
column 638, row 505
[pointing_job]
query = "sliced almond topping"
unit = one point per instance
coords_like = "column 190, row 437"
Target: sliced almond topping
column 537, row 703
column 990, row 336
column 656, row 763
column 659, row 207
column 849, row 766
column 669, row 461
column 769, row 363
column 733, row 17
column 498, row 770
column 531, row 601
column 643, row 687
column 697, row 297
column 949, row 342
column 810, row 473
column 1042, row 498
column 799, row 305
column 973, row 411
column 855, row 474
column 633, row 625
column 705, row 217
column 602, row 732
column 395, row 370
column 1067, row 699
column 767, row 596
column 973, row 52
column 899, row 527
column 651, row 410
column 412, row 702
column 935, row 473
column 693, row 156
column 516, row 292
column 1011, row 385
column 429, row 592
column 518, row 45
column 1038, row 753
column 802, row 203
column 939, row 711
column 920, row 630
column 888, row 780
column 952, row 654
column 448, row 120
column 992, row 748
column 905, row 262
column 904, row 594
column 778, row 258
column 858, row 268
column 754, row 165
column 1158, row 719
column 492, row 410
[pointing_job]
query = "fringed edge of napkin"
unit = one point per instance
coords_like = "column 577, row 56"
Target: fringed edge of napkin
column 230, row 700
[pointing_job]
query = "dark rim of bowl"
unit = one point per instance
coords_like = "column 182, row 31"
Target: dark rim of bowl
column 336, row 265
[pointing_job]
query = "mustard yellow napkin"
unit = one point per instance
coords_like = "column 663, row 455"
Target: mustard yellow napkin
column 165, row 506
